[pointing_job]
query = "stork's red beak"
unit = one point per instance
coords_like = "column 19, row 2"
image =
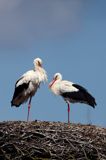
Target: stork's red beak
column 51, row 83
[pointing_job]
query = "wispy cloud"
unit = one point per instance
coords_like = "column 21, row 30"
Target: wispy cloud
column 23, row 22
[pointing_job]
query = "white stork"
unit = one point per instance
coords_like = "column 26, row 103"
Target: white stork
column 70, row 92
column 28, row 84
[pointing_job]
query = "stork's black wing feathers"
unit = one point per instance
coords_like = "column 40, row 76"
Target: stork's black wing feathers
column 80, row 87
column 19, row 89
column 18, row 81
column 82, row 96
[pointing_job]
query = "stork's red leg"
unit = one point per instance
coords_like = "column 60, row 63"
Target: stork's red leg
column 29, row 106
column 68, row 112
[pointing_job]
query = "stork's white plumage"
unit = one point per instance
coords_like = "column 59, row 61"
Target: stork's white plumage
column 28, row 84
column 71, row 92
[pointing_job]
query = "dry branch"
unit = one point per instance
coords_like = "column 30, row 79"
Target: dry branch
column 51, row 140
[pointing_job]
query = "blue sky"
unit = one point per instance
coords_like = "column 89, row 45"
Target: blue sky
column 70, row 37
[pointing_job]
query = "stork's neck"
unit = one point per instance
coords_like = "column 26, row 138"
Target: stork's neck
column 36, row 67
column 41, row 73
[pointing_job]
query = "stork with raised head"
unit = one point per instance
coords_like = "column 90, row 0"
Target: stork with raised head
column 27, row 85
column 71, row 92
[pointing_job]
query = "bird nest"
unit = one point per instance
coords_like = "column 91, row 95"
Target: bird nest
column 51, row 140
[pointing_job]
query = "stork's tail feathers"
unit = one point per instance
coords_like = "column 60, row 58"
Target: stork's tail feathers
column 13, row 104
